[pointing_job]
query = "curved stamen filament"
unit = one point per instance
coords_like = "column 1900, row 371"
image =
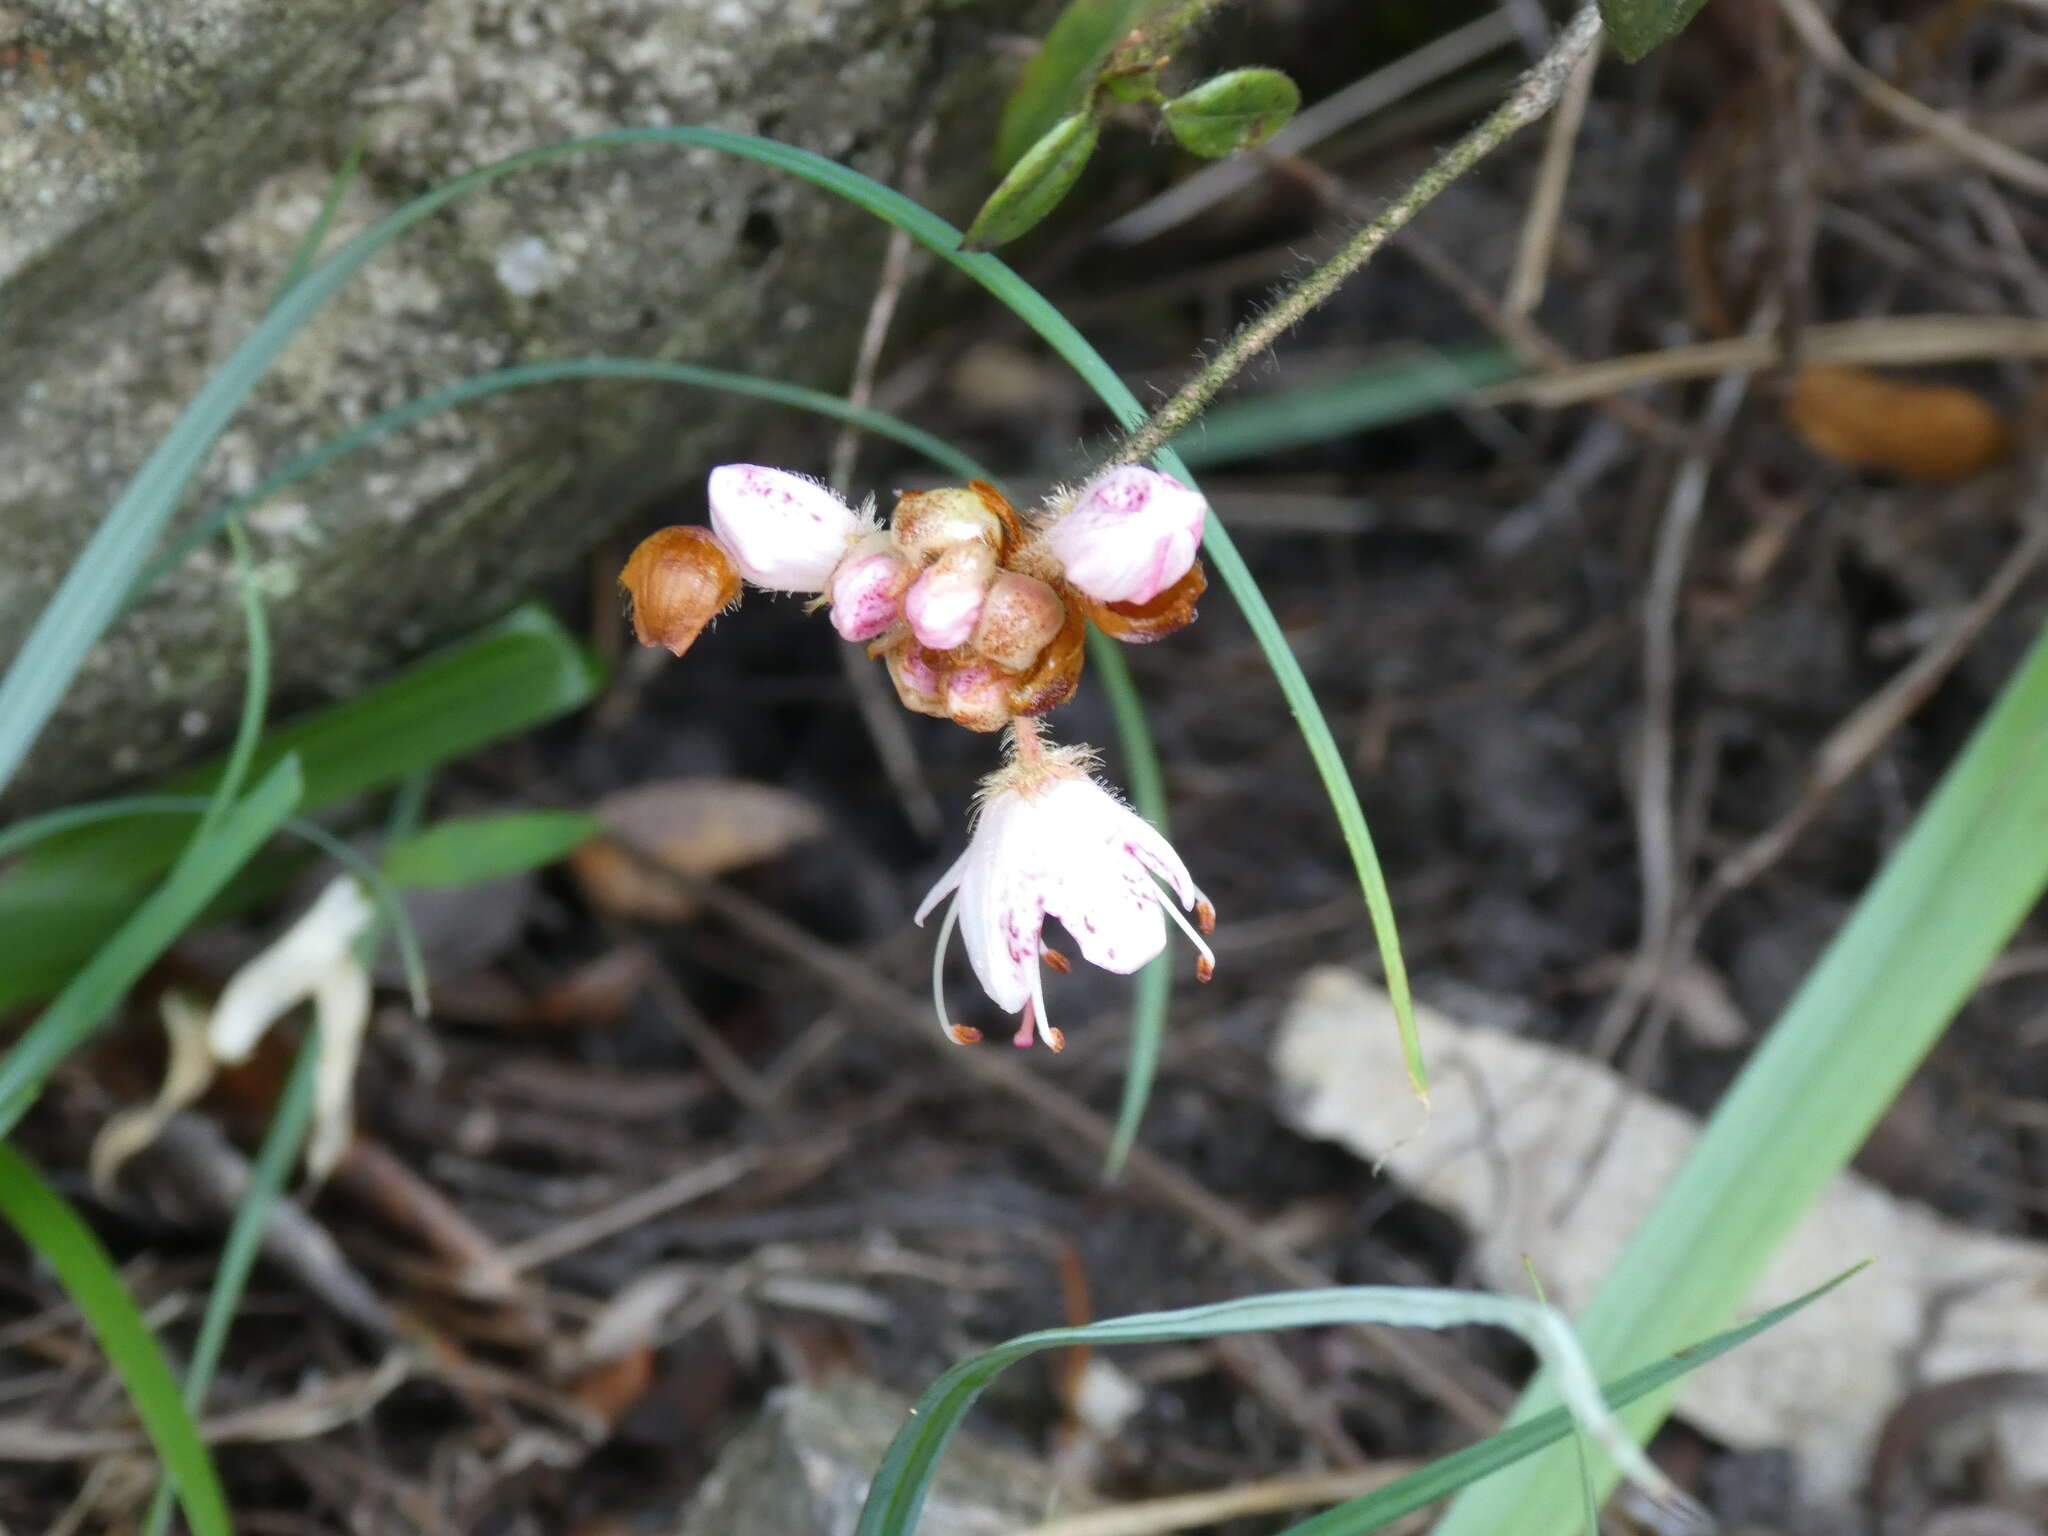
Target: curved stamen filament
column 959, row 1034
column 1206, row 966
column 1053, row 1038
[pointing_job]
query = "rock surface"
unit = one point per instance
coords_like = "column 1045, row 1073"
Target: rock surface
column 805, row 1463
column 158, row 167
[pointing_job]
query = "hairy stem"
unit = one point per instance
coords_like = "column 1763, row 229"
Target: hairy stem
column 1534, row 95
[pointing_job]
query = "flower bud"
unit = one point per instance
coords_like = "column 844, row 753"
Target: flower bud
column 928, row 523
column 1139, row 623
column 1019, row 618
column 944, row 603
column 785, row 533
column 678, row 580
column 1130, row 534
column 978, row 697
column 867, row 588
column 918, row 683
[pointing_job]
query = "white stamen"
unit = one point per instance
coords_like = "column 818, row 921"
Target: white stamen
column 939, row 949
column 1053, row 1040
column 1173, row 911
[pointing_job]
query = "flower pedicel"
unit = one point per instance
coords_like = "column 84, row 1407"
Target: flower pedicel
column 981, row 618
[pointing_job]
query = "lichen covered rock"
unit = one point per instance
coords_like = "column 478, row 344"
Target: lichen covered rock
column 158, row 167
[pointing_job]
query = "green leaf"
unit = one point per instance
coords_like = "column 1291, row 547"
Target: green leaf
column 1420, row 1489
column 1375, row 396
column 1238, row 110
column 1637, row 26
column 117, row 962
column 53, row 1229
column 1949, row 896
column 281, row 1144
column 1035, row 184
column 1062, row 72
column 466, row 850
column 72, row 891
column 897, row 1493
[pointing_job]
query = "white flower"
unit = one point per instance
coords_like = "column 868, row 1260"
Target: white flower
column 314, row 959
column 783, row 532
column 1130, row 534
column 1052, row 842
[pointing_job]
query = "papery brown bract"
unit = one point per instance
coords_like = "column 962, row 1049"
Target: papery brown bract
column 679, row 579
column 1057, row 672
column 1141, row 623
column 928, row 523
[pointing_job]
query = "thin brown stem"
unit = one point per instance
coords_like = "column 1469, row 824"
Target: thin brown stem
column 1534, row 95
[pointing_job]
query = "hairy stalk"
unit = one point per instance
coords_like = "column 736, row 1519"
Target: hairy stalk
column 1534, row 94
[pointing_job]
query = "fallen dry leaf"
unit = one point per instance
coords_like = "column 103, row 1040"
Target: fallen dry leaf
column 1921, row 431
column 698, row 826
column 1507, row 1151
column 610, row 1390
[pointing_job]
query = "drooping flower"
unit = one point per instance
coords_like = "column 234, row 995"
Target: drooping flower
column 1130, row 534
column 785, row 533
column 1051, row 841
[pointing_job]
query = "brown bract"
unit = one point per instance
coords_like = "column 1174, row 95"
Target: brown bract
column 1138, row 623
column 679, row 579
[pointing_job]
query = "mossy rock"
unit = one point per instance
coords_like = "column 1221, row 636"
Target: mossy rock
column 157, row 173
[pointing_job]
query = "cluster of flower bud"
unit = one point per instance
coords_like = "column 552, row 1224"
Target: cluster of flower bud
column 979, row 616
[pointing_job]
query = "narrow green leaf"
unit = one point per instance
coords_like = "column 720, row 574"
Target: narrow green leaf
column 1637, row 26
column 1446, row 1476
column 1946, row 901
column 465, row 850
column 1062, row 72
column 64, row 898
column 1035, row 184
column 1238, row 110
column 53, row 1229
column 118, row 963
column 1147, row 787
column 897, row 1493
column 1379, row 395
column 281, row 1144
column 530, row 376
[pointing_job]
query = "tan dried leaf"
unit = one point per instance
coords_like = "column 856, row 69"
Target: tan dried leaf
column 698, row 826
column 1921, row 431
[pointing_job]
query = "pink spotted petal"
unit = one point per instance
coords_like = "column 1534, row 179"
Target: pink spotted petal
column 785, row 533
column 1130, row 534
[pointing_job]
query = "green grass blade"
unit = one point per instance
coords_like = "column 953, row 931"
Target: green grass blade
column 93, row 994
column 255, row 692
column 280, row 1150
column 512, row 675
column 99, row 581
column 1062, row 73
column 1147, row 786
column 465, row 850
column 898, row 1491
column 53, row 1230
column 1946, row 901
column 533, row 375
column 1444, row 1477
column 323, row 221
column 1377, row 396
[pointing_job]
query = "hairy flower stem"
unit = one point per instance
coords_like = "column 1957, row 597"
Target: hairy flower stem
column 1534, row 94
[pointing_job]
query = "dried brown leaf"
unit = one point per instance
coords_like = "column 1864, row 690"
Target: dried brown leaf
column 698, row 826
column 1921, row 431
